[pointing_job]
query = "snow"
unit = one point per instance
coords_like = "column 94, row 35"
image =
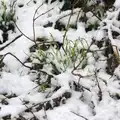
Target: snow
column 13, row 110
column 13, row 83
column 25, row 84
column 99, row 35
column 65, row 112
column 20, row 49
column 117, row 3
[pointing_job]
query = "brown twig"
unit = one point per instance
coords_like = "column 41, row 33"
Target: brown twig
column 34, row 22
column 34, row 19
column 64, row 36
column 45, row 116
column 56, row 100
column 15, row 58
column 78, row 17
column 96, row 15
column 27, row 108
column 23, row 33
column 75, row 67
column 43, row 13
column 1, row 48
column 79, row 115
column 67, row 15
column 100, row 91
column 28, row 2
column 31, row 68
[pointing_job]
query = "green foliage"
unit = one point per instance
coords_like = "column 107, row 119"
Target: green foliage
column 62, row 60
column 93, row 26
column 43, row 87
column 7, row 16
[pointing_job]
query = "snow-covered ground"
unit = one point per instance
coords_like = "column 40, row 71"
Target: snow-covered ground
column 98, row 93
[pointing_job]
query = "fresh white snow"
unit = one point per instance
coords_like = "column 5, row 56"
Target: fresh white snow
column 19, row 80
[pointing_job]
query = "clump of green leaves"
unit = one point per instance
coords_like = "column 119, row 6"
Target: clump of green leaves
column 7, row 17
column 57, row 60
column 44, row 86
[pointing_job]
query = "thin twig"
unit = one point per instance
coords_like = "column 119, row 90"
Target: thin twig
column 96, row 15
column 34, row 22
column 23, row 33
column 79, row 115
column 31, row 68
column 28, row 108
column 45, row 101
column 15, row 58
column 78, row 17
column 1, row 48
column 75, row 67
column 100, row 91
column 34, row 19
column 43, row 13
column 67, row 15
column 28, row 2
column 68, row 24
column 45, row 117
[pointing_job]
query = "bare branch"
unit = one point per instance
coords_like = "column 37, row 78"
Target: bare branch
column 67, row 15
column 23, row 33
column 34, row 22
column 28, row 2
column 27, row 108
column 75, row 67
column 15, row 58
column 31, row 68
column 1, row 48
column 79, row 115
column 43, row 13
column 100, row 91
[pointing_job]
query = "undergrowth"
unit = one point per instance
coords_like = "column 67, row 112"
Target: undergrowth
column 7, row 19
